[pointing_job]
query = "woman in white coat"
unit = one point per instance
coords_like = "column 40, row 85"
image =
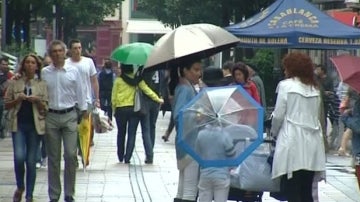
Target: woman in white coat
column 300, row 152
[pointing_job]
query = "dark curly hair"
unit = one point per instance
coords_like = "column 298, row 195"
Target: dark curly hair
column 241, row 67
column 300, row 65
column 38, row 63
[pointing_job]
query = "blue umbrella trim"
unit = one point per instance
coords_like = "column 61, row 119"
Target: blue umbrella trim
column 228, row 162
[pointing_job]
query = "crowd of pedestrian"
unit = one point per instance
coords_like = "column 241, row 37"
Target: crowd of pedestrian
column 43, row 106
column 48, row 97
column 299, row 158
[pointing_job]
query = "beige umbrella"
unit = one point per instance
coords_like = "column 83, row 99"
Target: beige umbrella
column 195, row 41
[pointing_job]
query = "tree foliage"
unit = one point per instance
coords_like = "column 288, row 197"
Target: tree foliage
column 263, row 60
column 69, row 14
column 72, row 13
column 177, row 12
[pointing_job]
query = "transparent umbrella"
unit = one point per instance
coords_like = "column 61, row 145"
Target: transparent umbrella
column 221, row 126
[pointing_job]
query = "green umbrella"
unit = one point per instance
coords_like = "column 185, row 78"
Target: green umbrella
column 132, row 53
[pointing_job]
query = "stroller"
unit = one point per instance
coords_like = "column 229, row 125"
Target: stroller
column 236, row 194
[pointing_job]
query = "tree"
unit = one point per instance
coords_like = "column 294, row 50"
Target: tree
column 18, row 22
column 72, row 13
column 177, row 12
column 263, row 60
column 69, row 14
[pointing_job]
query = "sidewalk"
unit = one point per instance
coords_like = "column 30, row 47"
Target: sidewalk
column 106, row 180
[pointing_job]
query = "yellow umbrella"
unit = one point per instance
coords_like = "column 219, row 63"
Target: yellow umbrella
column 84, row 129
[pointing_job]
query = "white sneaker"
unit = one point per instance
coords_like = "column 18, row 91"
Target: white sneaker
column 38, row 165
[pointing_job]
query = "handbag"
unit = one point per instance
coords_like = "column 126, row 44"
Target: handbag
column 139, row 102
column 352, row 122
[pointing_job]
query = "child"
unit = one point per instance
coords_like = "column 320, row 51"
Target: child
column 214, row 182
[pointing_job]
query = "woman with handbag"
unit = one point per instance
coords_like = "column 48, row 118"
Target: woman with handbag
column 26, row 98
column 123, row 103
column 299, row 153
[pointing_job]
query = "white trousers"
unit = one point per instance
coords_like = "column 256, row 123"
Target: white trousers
column 188, row 180
column 214, row 188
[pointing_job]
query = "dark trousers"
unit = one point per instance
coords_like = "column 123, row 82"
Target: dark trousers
column 41, row 153
column 152, row 118
column 2, row 124
column 105, row 104
column 145, row 130
column 171, row 124
column 126, row 120
column 299, row 187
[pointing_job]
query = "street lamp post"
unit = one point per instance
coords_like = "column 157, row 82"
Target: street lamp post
column 54, row 21
column 3, row 24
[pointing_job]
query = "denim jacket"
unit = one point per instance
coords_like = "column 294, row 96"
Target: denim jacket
column 184, row 92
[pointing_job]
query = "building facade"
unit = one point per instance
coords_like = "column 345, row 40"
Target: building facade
column 138, row 26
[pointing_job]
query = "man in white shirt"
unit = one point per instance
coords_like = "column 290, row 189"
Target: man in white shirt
column 65, row 90
column 88, row 75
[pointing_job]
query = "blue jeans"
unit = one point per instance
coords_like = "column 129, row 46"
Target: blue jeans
column 25, row 144
column 127, row 119
column 133, row 124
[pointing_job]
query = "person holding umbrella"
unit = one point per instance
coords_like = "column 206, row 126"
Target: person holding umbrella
column 351, row 116
column 183, row 48
column 173, row 80
column 122, row 100
column 214, row 182
column 190, row 73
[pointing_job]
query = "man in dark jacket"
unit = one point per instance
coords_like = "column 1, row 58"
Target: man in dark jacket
column 106, row 81
column 155, row 80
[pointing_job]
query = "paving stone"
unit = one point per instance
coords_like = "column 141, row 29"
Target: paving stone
column 107, row 180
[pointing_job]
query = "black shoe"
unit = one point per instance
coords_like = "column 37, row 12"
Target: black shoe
column 177, row 200
column 149, row 161
column 69, row 199
column 54, row 200
column 165, row 138
column 121, row 159
column 127, row 161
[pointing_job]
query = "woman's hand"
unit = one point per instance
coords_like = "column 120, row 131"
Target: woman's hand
column 161, row 101
column 33, row 99
column 21, row 97
column 16, row 76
